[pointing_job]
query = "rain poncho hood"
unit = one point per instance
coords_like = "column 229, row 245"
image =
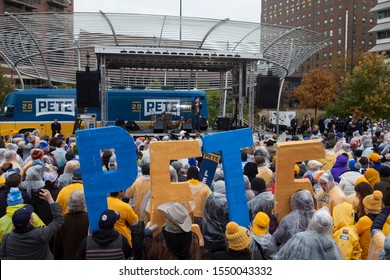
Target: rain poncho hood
column 343, row 215
column 214, row 221
column 33, row 180
column 263, row 202
column 302, row 205
column 340, row 166
column 313, row 244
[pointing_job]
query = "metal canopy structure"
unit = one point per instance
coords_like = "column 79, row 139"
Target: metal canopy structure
column 53, row 46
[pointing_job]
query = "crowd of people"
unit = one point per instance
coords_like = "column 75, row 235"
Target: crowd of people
column 43, row 213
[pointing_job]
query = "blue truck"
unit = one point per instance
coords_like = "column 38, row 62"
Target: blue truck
column 30, row 109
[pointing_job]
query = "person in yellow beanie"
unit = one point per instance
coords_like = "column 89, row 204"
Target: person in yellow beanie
column 263, row 245
column 372, row 176
column 238, row 239
column 372, row 207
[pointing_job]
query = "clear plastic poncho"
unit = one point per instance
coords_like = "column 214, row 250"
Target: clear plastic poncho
column 302, row 205
column 316, row 243
column 263, row 247
column 214, row 221
column 263, row 202
column 33, row 180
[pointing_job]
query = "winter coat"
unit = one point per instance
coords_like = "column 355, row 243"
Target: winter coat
column 108, row 243
column 348, row 180
column 380, row 228
column 345, row 233
column 34, row 243
column 363, row 228
column 157, row 248
column 6, row 224
column 69, row 237
column 383, row 186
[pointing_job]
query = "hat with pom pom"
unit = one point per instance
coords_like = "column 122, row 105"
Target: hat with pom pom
column 373, row 202
column 237, row 236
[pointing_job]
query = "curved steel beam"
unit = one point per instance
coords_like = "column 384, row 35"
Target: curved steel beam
column 215, row 26
column 162, row 30
column 281, row 37
column 35, row 42
column 111, row 26
column 248, row 34
column 9, row 63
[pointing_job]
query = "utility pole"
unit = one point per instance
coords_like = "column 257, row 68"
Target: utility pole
column 353, row 34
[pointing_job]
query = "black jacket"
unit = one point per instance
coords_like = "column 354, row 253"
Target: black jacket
column 103, row 238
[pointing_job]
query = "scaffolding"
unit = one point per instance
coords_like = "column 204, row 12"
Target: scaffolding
column 155, row 51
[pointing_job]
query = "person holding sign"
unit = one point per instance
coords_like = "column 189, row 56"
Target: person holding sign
column 200, row 192
column 176, row 241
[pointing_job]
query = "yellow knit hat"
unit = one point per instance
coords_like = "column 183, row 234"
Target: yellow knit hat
column 372, row 176
column 361, row 180
column 260, row 223
column 237, row 236
column 373, row 202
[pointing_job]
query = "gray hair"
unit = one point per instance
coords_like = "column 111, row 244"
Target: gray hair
column 76, row 202
column 71, row 166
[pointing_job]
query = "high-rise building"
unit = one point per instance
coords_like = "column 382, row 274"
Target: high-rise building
column 382, row 29
column 346, row 22
column 29, row 6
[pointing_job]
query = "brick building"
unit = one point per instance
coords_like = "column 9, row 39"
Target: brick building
column 23, row 6
column 346, row 22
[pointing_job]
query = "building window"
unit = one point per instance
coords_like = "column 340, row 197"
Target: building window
column 330, row 33
column 339, row 42
column 339, row 31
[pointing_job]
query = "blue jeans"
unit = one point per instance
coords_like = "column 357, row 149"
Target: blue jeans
column 195, row 123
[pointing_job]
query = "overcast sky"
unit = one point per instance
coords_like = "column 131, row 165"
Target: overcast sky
column 244, row 10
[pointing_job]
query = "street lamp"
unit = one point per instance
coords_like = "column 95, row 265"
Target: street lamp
column 181, row 9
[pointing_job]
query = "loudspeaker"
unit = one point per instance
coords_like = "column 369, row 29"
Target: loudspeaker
column 158, row 127
column 132, row 126
column 187, row 127
column 87, row 89
column 203, row 123
column 223, row 123
column 267, row 92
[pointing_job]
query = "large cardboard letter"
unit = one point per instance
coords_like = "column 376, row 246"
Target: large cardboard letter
column 98, row 183
column 230, row 144
column 162, row 189
column 287, row 154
